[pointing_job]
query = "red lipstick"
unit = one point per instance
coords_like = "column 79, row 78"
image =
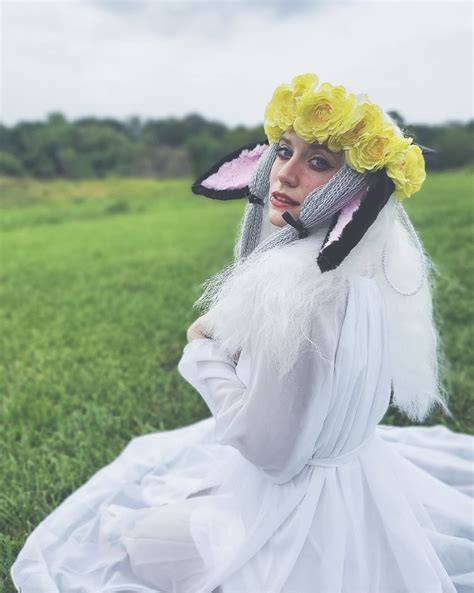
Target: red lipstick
column 282, row 200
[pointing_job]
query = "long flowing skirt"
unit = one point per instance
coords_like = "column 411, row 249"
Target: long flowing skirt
column 178, row 512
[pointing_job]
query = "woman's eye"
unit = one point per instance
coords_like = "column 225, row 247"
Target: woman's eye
column 320, row 163
column 284, row 152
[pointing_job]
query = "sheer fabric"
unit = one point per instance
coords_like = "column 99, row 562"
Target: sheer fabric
column 290, row 486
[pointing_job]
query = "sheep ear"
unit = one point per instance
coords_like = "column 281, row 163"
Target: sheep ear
column 229, row 178
column 352, row 222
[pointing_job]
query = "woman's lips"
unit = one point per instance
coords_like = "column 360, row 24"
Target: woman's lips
column 280, row 200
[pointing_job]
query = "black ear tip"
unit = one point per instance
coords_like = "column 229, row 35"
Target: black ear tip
column 201, row 190
column 325, row 264
column 381, row 180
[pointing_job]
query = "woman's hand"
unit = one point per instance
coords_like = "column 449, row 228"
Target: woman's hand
column 198, row 329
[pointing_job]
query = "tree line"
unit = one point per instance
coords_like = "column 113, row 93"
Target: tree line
column 171, row 147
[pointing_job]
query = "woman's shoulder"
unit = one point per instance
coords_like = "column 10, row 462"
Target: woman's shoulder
column 300, row 259
column 292, row 272
column 296, row 261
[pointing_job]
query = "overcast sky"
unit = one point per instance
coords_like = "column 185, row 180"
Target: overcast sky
column 223, row 59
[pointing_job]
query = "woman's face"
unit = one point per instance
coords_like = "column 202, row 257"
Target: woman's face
column 299, row 168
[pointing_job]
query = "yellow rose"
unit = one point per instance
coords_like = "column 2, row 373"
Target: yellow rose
column 280, row 113
column 367, row 119
column 273, row 133
column 407, row 171
column 374, row 150
column 324, row 113
column 329, row 115
column 303, row 83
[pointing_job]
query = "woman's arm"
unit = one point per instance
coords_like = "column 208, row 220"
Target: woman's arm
column 272, row 421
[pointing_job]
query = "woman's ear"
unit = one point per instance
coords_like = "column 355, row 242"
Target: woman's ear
column 352, row 222
column 229, row 178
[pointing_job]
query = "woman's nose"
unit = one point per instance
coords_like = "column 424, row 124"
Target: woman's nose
column 288, row 174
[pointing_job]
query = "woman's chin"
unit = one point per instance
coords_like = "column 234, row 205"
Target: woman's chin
column 275, row 216
column 277, row 221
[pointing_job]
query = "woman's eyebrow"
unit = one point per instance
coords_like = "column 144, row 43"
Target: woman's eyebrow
column 312, row 148
column 319, row 147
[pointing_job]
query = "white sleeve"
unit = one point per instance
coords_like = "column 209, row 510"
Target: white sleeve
column 272, row 422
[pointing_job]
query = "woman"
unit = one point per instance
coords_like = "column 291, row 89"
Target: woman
column 324, row 317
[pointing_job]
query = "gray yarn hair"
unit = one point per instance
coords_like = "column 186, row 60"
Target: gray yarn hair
column 318, row 207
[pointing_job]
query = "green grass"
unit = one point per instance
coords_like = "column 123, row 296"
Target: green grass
column 98, row 280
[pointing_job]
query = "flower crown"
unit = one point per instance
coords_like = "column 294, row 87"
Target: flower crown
column 329, row 115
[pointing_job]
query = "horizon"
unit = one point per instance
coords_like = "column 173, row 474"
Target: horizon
column 144, row 119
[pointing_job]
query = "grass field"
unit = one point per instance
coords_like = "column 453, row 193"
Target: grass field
column 98, row 280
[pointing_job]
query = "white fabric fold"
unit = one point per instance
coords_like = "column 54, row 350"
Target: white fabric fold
column 326, row 406
column 230, row 502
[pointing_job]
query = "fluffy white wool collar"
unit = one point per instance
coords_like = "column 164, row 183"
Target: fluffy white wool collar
column 271, row 300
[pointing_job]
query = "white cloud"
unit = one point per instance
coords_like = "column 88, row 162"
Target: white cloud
column 224, row 59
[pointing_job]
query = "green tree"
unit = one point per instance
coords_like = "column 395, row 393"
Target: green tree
column 95, row 147
column 455, row 145
column 103, row 149
column 204, row 151
column 175, row 132
column 10, row 165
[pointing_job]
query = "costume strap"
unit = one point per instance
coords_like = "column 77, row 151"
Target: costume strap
column 256, row 200
column 296, row 224
column 416, row 240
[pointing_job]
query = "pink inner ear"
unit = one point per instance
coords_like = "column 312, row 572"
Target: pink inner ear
column 237, row 173
column 347, row 213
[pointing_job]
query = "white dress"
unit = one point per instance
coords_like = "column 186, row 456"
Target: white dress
column 290, row 486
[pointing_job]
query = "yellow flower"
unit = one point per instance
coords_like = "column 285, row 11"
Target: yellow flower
column 407, row 171
column 324, row 113
column 303, row 83
column 280, row 113
column 374, row 150
column 368, row 118
column 329, row 115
